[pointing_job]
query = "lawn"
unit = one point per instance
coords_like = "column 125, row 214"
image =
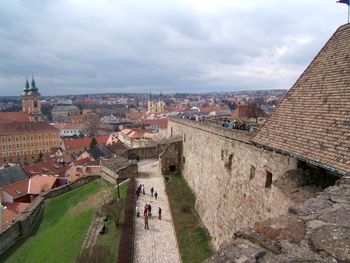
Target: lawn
column 192, row 236
column 65, row 222
column 112, row 237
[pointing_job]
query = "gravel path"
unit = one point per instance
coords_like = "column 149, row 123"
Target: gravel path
column 158, row 244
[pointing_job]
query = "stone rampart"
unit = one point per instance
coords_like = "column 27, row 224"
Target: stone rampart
column 231, row 178
column 30, row 218
column 149, row 152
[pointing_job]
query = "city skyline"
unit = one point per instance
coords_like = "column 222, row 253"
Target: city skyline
column 75, row 47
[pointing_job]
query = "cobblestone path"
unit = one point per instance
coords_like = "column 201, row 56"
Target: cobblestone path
column 158, row 244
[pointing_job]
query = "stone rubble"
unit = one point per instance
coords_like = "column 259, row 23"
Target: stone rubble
column 317, row 231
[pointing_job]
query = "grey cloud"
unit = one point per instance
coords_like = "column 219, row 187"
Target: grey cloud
column 98, row 46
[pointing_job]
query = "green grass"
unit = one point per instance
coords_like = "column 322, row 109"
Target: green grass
column 62, row 230
column 192, row 236
column 112, row 237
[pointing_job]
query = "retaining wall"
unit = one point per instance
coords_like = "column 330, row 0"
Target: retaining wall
column 30, row 218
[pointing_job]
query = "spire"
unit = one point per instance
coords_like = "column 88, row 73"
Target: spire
column 150, row 96
column 33, row 88
column 26, row 87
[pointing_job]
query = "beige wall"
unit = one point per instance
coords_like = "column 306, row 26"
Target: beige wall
column 228, row 176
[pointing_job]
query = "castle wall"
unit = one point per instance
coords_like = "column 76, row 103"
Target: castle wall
column 230, row 177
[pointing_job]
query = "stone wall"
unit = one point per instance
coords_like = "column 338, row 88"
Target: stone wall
column 151, row 152
column 231, row 178
column 317, row 230
column 170, row 158
column 30, row 218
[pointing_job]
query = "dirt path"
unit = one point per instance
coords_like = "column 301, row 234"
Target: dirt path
column 158, row 244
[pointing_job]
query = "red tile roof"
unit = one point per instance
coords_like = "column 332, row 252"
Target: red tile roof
column 312, row 122
column 7, row 217
column 49, row 167
column 163, row 123
column 8, row 117
column 18, row 189
column 83, row 143
column 135, row 115
column 39, row 184
column 214, row 108
column 22, row 127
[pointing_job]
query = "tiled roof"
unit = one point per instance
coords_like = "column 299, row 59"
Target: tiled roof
column 8, row 117
column 76, row 144
column 135, row 115
column 213, row 108
column 17, row 189
column 34, row 185
column 12, row 175
column 39, row 184
column 163, row 123
column 69, row 126
column 49, row 167
column 313, row 121
column 20, row 128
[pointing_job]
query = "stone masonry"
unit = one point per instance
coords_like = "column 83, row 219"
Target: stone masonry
column 317, row 230
column 231, row 178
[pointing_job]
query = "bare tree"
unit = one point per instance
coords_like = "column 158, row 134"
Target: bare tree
column 113, row 209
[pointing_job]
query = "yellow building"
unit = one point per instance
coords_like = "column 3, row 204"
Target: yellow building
column 155, row 106
column 27, row 141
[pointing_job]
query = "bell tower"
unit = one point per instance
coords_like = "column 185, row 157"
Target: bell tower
column 31, row 101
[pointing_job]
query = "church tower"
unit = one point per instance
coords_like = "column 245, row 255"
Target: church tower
column 31, row 101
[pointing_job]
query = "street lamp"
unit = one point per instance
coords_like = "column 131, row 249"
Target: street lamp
column 118, row 187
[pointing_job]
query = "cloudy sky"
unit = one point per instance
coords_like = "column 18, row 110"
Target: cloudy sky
column 90, row 46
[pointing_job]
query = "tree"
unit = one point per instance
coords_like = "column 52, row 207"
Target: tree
column 113, row 209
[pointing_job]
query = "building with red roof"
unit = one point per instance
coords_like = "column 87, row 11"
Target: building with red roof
column 9, row 117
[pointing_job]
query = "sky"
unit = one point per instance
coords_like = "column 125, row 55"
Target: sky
column 89, row 46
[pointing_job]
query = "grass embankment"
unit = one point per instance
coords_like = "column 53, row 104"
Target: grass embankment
column 192, row 236
column 111, row 238
column 65, row 222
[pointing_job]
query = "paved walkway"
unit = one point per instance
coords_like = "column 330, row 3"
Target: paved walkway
column 158, row 244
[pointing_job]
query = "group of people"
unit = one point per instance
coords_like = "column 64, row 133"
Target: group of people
column 147, row 211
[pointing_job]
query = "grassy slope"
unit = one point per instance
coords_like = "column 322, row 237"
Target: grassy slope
column 112, row 237
column 193, row 238
column 62, row 230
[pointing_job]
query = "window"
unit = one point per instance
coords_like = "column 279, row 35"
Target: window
column 268, row 181
column 252, row 172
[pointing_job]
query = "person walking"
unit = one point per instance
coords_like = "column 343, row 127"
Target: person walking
column 152, row 190
column 145, row 210
column 146, row 221
column 143, row 189
column 159, row 213
column 149, row 210
column 137, row 211
column 156, row 195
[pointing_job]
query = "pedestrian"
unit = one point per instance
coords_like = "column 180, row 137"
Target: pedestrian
column 143, row 189
column 155, row 195
column 146, row 222
column 145, row 210
column 149, row 210
column 137, row 211
column 152, row 190
column 159, row 213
